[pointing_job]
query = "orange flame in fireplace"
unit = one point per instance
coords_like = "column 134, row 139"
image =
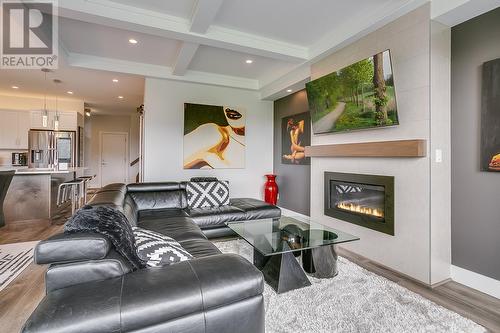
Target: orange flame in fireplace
column 360, row 209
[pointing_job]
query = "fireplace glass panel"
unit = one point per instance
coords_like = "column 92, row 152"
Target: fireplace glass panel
column 359, row 199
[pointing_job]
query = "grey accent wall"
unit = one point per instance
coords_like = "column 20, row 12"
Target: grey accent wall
column 475, row 229
column 294, row 181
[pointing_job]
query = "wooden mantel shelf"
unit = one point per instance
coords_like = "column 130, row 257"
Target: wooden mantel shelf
column 401, row 148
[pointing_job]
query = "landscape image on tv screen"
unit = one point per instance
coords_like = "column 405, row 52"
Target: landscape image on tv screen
column 359, row 96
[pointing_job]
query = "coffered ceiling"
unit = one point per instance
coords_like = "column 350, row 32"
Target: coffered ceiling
column 261, row 45
column 210, row 41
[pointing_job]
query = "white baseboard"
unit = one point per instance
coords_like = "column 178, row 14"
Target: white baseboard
column 476, row 281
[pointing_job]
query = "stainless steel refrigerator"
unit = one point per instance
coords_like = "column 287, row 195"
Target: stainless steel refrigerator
column 49, row 149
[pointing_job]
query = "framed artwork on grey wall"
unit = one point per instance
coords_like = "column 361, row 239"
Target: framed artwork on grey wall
column 295, row 136
column 214, row 137
column 490, row 117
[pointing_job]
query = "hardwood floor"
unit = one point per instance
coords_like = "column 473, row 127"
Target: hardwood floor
column 21, row 297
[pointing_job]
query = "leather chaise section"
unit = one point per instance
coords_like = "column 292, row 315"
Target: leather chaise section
column 155, row 295
column 226, row 278
column 245, row 316
column 64, row 275
column 216, row 216
column 179, row 228
column 256, row 209
column 159, row 294
column 219, row 232
column 71, row 247
column 200, row 248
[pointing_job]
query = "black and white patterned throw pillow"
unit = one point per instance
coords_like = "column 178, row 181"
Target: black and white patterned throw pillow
column 157, row 249
column 208, row 194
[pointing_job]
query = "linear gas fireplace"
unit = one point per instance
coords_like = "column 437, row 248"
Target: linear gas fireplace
column 365, row 200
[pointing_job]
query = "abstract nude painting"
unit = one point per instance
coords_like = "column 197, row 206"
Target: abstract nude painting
column 490, row 117
column 214, row 137
column 295, row 136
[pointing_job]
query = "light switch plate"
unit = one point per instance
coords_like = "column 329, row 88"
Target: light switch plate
column 439, row 156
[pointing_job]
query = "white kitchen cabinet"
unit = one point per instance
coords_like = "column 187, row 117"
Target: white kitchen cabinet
column 14, row 127
column 37, row 122
column 68, row 121
column 23, row 128
column 8, row 129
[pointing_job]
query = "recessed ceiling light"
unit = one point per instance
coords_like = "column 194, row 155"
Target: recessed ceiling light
column 120, row 97
column 15, row 87
column 132, row 41
column 289, row 90
column 115, row 80
column 249, row 61
column 70, row 92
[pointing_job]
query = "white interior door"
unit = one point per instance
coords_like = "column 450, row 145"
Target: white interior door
column 114, row 158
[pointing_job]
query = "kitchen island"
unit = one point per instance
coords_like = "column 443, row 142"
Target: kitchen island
column 32, row 194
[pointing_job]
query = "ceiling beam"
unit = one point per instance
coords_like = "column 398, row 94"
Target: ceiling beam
column 184, row 57
column 158, row 71
column 113, row 14
column 454, row 12
column 204, row 14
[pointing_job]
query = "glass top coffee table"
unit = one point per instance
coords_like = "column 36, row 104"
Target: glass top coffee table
column 278, row 242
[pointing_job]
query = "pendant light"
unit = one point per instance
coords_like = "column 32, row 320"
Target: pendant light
column 45, row 113
column 56, row 118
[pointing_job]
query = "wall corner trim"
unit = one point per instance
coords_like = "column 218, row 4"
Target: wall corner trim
column 476, row 281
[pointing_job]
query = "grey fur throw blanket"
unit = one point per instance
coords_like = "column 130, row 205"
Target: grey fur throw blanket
column 110, row 223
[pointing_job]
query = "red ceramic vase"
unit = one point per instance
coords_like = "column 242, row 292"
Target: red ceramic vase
column 271, row 190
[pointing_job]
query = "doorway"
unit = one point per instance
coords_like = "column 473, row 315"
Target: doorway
column 113, row 157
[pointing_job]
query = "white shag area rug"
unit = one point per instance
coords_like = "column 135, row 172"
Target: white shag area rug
column 14, row 258
column 356, row 300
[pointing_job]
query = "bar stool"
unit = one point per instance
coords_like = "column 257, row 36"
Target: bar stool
column 86, row 180
column 5, row 180
column 71, row 191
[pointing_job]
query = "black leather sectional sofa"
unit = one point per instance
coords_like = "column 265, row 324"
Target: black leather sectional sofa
column 91, row 288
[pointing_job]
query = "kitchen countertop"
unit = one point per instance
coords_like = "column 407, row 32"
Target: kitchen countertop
column 23, row 170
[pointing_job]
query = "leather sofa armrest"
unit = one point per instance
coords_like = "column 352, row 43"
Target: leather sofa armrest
column 63, row 248
column 60, row 276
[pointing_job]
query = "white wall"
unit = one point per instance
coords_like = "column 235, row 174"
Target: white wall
column 164, row 125
column 109, row 123
column 409, row 251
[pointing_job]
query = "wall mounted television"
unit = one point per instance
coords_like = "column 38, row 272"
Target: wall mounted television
column 359, row 96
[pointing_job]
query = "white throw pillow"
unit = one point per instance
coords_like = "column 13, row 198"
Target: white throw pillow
column 157, row 249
